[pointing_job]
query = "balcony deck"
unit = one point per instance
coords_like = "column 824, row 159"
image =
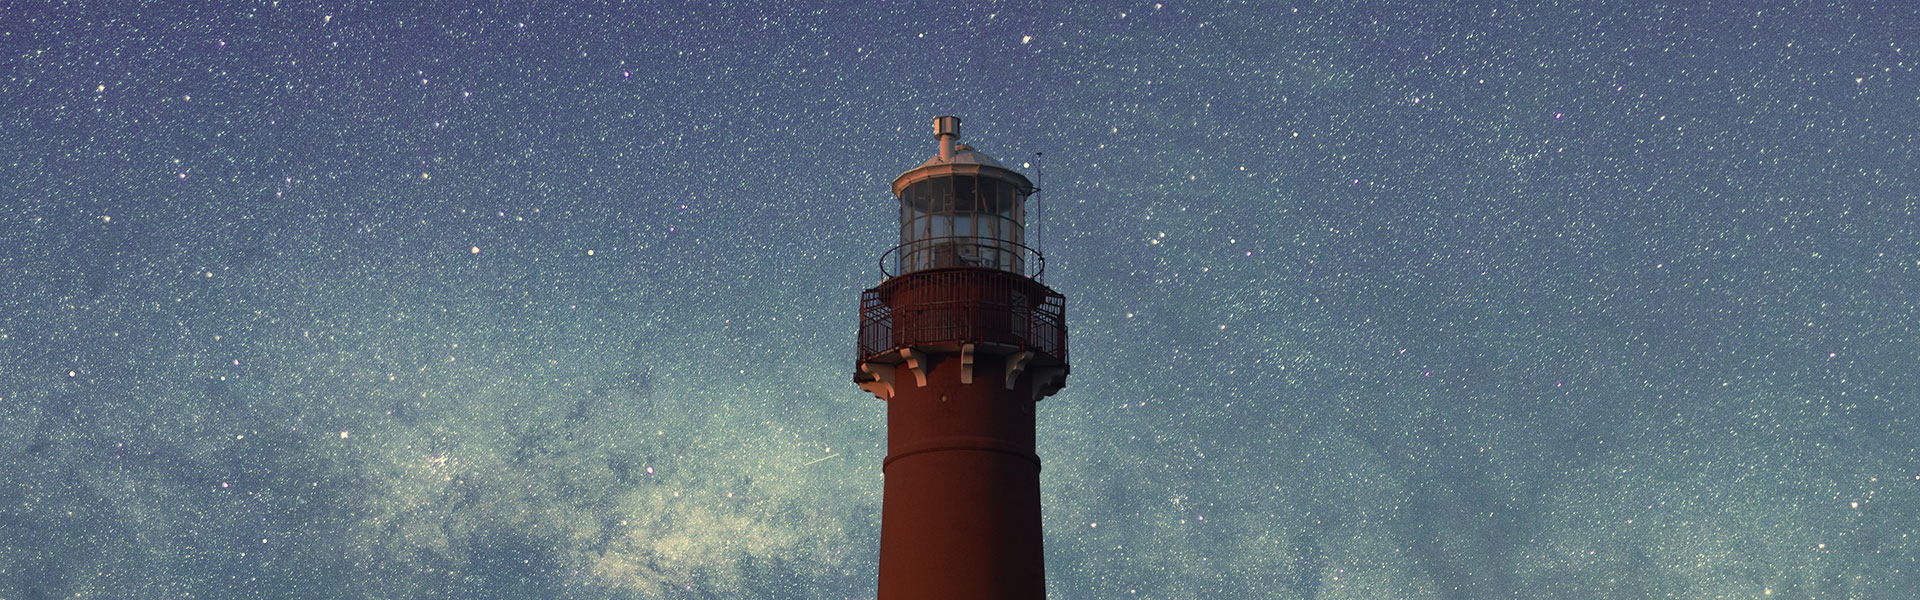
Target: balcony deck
column 944, row 309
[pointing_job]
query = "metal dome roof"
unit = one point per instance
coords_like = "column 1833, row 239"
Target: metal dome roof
column 958, row 159
column 963, row 155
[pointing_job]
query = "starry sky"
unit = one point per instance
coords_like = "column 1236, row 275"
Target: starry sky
column 1367, row 300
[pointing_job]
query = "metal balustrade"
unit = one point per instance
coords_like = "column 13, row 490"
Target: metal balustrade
column 964, row 251
column 963, row 305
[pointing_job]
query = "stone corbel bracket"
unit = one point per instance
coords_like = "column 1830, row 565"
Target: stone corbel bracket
column 966, row 363
column 882, row 385
column 917, row 362
column 1017, row 364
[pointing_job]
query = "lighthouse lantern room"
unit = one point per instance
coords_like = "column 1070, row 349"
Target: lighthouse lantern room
column 961, row 209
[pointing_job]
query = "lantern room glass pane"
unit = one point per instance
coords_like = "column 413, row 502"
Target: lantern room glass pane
column 964, row 190
column 962, row 220
column 1008, row 199
column 942, row 190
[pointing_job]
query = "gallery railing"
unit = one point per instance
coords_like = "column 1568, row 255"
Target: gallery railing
column 964, row 251
column 963, row 305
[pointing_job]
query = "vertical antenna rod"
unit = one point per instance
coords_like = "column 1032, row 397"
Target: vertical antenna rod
column 1039, row 210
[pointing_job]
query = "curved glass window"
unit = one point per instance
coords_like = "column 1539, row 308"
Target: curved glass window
column 962, row 221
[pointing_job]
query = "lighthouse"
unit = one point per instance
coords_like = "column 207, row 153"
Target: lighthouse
column 961, row 339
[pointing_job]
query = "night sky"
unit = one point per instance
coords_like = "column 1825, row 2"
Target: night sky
column 547, row 300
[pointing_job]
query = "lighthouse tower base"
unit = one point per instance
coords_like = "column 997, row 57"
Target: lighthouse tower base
column 961, row 516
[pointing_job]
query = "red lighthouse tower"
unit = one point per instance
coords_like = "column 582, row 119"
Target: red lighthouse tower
column 961, row 340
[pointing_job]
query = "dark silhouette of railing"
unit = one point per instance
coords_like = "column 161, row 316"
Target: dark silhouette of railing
column 963, row 305
column 964, row 251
